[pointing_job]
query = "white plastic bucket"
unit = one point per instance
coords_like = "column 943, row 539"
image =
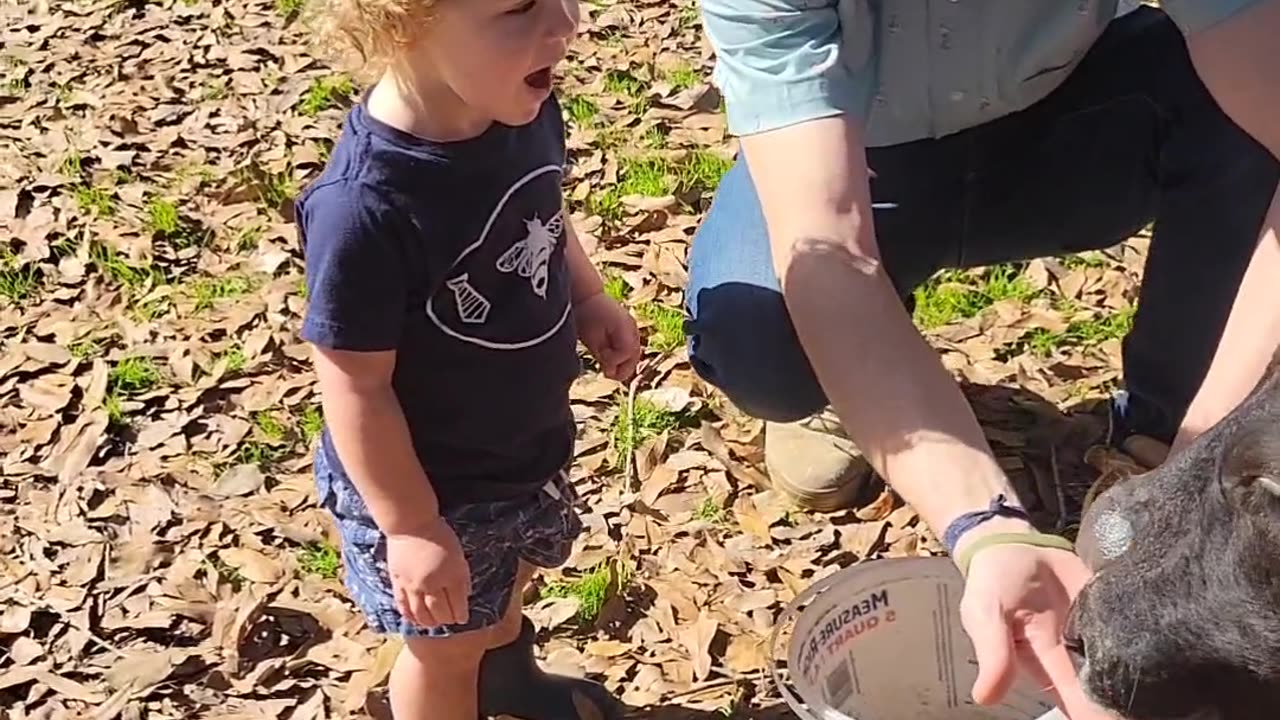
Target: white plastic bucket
column 882, row 640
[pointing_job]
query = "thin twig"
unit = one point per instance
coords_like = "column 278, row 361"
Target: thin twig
column 730, row 679
column 632, row 482
column 1057, row 488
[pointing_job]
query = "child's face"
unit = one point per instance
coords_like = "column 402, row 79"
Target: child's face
column 497, row 55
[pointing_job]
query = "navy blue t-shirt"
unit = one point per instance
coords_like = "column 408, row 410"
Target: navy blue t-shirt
column 452, row 254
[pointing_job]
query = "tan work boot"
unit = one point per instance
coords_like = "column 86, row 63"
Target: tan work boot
column 814, row 462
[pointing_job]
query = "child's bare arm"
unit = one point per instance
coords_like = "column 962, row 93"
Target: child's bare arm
column 584, row 279
column 607, row 330
column 372, row 438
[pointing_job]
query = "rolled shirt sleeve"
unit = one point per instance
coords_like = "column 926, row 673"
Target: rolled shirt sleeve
column 1195, row 15
column 781, row 62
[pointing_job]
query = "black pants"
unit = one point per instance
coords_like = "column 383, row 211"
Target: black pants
column 1131, row 136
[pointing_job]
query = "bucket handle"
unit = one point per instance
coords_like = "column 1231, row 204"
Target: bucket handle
column 789, row 614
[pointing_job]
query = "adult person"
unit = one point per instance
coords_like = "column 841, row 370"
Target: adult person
column 882, row 141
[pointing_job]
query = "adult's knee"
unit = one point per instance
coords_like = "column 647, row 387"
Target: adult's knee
column 742, row 341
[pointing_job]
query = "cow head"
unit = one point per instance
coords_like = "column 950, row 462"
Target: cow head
column 1182, row 619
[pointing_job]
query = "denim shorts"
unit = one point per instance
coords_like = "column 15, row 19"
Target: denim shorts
column 540, row 529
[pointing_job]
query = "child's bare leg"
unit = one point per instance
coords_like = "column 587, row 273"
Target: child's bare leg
column 436, row 678
column 508, row 628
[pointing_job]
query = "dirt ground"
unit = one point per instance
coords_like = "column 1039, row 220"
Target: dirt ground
column 161, row 554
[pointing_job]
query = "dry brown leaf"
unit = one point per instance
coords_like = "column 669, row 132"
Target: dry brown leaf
column 696, row 639
column 608, row 648
column 252, row 564
column 879, row 509
column 752, row 520
column 340, row 654
column 239, row 480
column 14, row 620
column 746, row 654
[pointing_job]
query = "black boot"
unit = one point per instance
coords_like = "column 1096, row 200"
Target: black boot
column 511, row 683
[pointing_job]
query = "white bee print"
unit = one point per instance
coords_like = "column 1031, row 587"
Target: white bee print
column 530, row 257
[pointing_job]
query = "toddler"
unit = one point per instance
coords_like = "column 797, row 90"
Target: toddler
column 447, row 293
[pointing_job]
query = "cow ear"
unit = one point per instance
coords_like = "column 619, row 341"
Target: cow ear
column 1251, row 464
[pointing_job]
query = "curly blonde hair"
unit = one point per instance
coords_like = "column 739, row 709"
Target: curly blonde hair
column 367, row 35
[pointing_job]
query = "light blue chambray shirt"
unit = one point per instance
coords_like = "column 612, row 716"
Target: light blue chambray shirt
column 909, row 69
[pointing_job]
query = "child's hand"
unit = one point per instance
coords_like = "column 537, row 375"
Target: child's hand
column 610, row 334
column 429, row 575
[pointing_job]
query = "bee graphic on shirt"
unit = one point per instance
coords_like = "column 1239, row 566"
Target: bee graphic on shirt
column 531, row 257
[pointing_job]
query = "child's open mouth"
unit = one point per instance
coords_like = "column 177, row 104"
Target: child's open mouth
column 539, row 79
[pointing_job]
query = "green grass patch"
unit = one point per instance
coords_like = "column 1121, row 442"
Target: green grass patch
column 325, row 93
column 165, row 221
column 1085, row 259
column 616, row 287
column 1085, row 333
column 289, row 8
column 655, row 138
column 701, row 171
column 683, row 77
column 148, row 310
column 320, row 559
column 224, row 572
column 247, row 238
column 646, row 422
column 647, row 176
column 621, row 82
column 955, row 295
column 710, row 510
column 72, row 164
column 687, row 16
column 612, row 138
column 270, row 427
column 130, row 375
column 207, row 291
column 277, row 189
column 133, row 375
column 215, row 88
column 87, row 349
column 253, row 452
column 95, row 200
column 593, row 588
column 18, row 281
column 654, row 176
column 666, row 331
column 119, row 270
column 582, row 111
column 268, row 443
column 311, row 424
column 235, row 359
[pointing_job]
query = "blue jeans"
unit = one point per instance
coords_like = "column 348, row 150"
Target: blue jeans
column 1132, row 136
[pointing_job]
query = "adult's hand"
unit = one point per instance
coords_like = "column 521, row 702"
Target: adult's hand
column 1014, row 609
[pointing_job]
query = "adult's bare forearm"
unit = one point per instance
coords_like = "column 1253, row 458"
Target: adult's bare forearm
column 1236, row 59
column 371, row 435
column 897, row 401
column 901, row 407
column 1251, row 336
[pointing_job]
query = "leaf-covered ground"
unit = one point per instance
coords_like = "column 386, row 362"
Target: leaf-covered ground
column 161, row 555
